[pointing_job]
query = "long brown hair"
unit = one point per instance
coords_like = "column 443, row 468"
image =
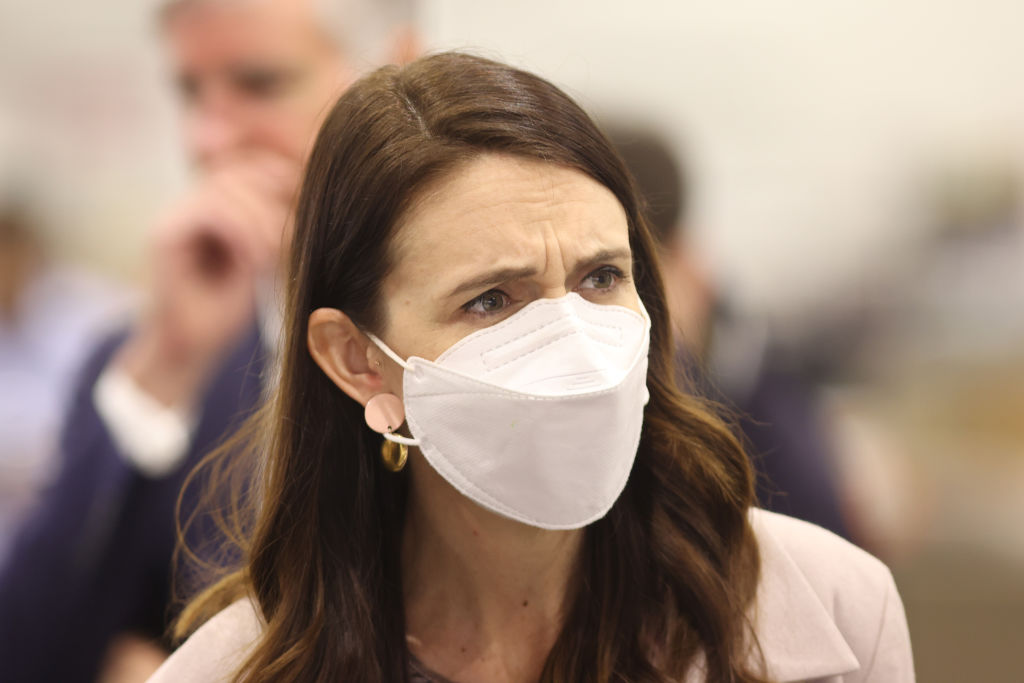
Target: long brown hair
column 663, row 581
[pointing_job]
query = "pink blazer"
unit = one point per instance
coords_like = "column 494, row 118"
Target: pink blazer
column 825, row 612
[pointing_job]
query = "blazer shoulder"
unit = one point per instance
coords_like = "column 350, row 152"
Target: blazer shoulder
column 214, row 652
column 828, row 562
column 853, row 588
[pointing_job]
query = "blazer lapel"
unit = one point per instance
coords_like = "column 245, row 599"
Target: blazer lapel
column 796, row 632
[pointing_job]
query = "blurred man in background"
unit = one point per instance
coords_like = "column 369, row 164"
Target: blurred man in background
column 729, row 358
column 51, row 314
column 86, row 592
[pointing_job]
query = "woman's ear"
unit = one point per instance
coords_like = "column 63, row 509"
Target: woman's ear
column 340, row 349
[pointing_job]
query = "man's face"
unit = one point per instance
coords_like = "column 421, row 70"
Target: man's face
column 254, row 75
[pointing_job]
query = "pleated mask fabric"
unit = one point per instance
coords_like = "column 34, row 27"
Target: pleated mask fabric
column 537, row 417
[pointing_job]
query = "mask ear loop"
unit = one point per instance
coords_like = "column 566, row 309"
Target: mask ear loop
column 386, row 349
column 385, row 412
column 399, row 439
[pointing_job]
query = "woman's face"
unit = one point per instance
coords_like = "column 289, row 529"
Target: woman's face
column 500, row 232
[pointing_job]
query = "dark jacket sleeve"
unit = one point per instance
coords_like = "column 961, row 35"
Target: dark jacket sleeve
column 94, row 557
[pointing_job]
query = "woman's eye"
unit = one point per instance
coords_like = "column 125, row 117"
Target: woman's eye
column 488, row 302
column 603, row 278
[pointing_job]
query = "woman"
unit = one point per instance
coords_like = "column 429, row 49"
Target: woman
column 479, row 467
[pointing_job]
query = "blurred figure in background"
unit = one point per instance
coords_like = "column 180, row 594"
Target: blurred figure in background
column 87, row 590
column 50, row 316
column 728, row 358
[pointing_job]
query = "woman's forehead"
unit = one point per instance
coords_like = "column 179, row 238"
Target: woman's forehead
column 505, row 207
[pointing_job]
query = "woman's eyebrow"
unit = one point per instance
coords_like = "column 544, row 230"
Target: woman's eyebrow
column 496, row 277
column 603, row 256
column 491, row 278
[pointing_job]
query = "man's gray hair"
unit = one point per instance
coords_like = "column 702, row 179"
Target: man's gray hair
column 363, row 30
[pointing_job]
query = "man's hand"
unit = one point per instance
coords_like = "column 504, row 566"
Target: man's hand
column 208, row 256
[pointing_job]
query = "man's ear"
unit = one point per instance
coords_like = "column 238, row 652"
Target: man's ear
column 340, row 349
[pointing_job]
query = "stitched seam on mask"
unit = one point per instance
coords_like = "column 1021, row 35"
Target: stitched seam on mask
column 515, row 395
column 555, row 322
column 493, row 329
column 548, row 343
column 487, row 331
column 488, row 388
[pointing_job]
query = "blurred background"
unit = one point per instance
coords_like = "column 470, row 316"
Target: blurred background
column 855, row 174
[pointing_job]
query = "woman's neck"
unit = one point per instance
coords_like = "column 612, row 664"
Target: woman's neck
column 484, row 595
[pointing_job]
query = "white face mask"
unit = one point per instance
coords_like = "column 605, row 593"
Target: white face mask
column 537, row 417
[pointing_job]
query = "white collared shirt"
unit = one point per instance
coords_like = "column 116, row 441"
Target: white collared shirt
column 153, row 438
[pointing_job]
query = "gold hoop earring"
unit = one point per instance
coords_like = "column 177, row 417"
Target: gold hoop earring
column 394, row 455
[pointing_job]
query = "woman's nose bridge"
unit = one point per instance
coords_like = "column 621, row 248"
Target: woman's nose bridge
column 555, row 292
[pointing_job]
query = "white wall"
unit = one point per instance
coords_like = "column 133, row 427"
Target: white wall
column 85, row 114
column 809, row 122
